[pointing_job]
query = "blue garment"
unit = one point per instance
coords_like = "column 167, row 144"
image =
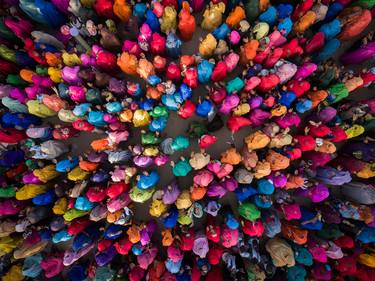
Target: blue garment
column 158, row 124
column 333, row 10
column 23, row 59
column 170, row 102
column 284, row 10
column 99, row 176
column 285, row 25
column 244, row 191
column 231, row 221
column 80, row 241
column 307, row 215
column 153, row 80
column 137, row 249
column 331, row 29
column 43, row 199
column 51, row 14
column 81, row 109
column 205, row 71
column 139, row 11
column 113, row 232
column 148, row 181
column 262, row 201
column 96, row 118
column 185, row 92
column 253, row 70
column 63, row 91
column 173, row 46
column 271, row 222
column 67, row 165
column 287, row 98
column 77, row 272
column 11, row 158
column 153, row 21
column 269, row 16
column 171, row 220
column 303, row 105
column 221, row 32
column 328, row 50
column 30, row 8
column 204, row 108
column 173, row 267
column 147, row 104
column 265, row 187
column 21, row 120
column 46, row 48
column 367, row 235
column 113, row 107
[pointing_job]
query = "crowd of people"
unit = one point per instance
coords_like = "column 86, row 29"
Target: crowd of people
column 303, row 180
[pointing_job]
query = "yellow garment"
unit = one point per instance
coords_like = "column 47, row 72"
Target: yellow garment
column 157, row 208
column 207, row 46
column 261, row 30
column 71, row 59
column 55, row 74
column 183, row 201
column 368, row 171
column 281, row 140
column 213, row 16
column 355, row 131
column 39, row 109
column 257, row 140
column 7, row 245
column 151, row 151
column 184, row 218
column 279, row 110
column 241, row 109
column 77, row 174
column 67, row 116
column 168, row 20
column 367, row 259
column 353, row 83
column 29, row 191
column 141, row 118
column 60, row 206
column 14, row 274
column 47, row 173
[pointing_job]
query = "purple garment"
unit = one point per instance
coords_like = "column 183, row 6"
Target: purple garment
column 363, row 53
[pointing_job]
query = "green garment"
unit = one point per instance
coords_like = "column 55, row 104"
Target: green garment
column 249, row 211
column 159, row 111
column 7, row 192
column 337, row 92
column 150, row 138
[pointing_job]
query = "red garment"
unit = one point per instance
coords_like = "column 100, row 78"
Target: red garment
column 214, row 254
column 235, row 123
column 64, row 133
column 262, row 55
column 215, row 274
column 187, row 109
column 347, row 266
column 123, row 246
column 273, row 58
column 305, row 143
column 294, row 154
column 301, row 9
column 298, row 87
column 292, row 48
column 11, row 136
column 338, row 134
column 213, row 233
column 104, row 9
column 191, row 77
column 315, row 43
column 173, row 72
column 16, row 171
column 7, row 67
column 116, row 189
column 104, row 244
column 157, row 44
column 207, row 140
column 186, row 22
column 187, row 240
column 219, row 72
column 268, row 82
column 320, row 131
column 83, row 125
column 78, row 225
column 217, row 95
column 107, row 61
column 345, row 242
column 255, row 228
column 96, row 194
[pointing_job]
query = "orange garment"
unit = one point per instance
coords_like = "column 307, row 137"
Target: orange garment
column 122, row 10
column 263, row 5
column 134, row 234
column 304, row 22
column 88, row 166
column 27, row 75
column 277, row 161
column 54, row 102
column 126, row 116
column 248, row 51
column 145, row 68
column 128, row 63
column 52, row 59
column 186, row 22
column 101, row 145
column 231, row 156
column 294, row 233
column 317, row 97
column 235, row 17
column 197, row 192
column 153, row 93
column 167, row 237
column 294, row 181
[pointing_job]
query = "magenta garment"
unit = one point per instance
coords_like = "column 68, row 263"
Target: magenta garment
column 363, row 53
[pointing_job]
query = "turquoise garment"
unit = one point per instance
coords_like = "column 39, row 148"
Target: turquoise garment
column 96, row 118
column 139, row 11
column 113, row 107
column 82, row 203
column 61, row 236
column 170, row 102
column 14, row 105
column 302, row 255
column 296, row 273
column 31, row 266
column 265, row 187
column 180, row 143
column 235, row 85
column 81, row 110
column 182, row 168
